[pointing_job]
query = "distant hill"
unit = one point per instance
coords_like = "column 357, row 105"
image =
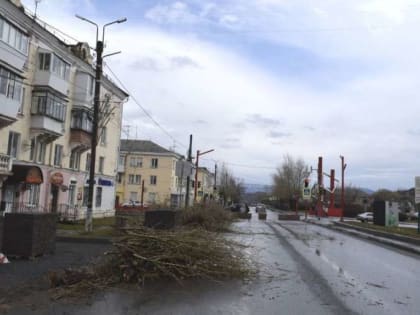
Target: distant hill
column 367, row 190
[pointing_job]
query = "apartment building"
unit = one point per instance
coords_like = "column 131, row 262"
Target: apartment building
column 149, row 170
column 46, row 98
column 205, row 184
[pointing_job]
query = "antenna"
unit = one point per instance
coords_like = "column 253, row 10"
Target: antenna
column 36, row 7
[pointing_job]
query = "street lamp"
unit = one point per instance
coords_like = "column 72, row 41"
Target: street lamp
column 98, row 74
column 343, row 167
column 196, row 171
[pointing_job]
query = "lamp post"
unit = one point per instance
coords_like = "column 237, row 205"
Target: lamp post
column 96, row 101
column 196, row 171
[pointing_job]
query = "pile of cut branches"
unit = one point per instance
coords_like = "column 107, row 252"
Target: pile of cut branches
column 145, row 254
column 211, row 217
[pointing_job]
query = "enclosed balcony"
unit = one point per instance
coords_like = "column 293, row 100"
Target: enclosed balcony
column 81, row 130
column 13, row 45
column 83, row 89
column 52, row 71
column 10, row 96
column 48, row 115
column 5, row 164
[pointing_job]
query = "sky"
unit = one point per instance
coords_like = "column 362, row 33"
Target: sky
column 258, row 79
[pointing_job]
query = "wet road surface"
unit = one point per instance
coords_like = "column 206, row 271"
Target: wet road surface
column 303, row 269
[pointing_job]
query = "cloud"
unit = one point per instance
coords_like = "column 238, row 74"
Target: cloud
column 177, row 12
column 260, row 121
column 278, row 134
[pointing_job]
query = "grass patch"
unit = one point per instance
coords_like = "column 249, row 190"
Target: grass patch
column 404, row 231
column 102, row 227
column 211, row 217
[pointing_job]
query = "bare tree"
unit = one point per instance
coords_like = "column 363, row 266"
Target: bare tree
column 289, row 176
column 106, row 113
column 230, row 188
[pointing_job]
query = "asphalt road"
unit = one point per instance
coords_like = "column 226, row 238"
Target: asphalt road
column 304, row 269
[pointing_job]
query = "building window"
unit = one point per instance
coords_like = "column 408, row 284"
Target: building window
column 42, row 148
column 10, row 84
column 13, row 145
column 22, row 102
column 33, row 194
column 48, row 104
column 74, row 160
column 152, row 197
column 102, row 139
column 58, row 154
column 101, row 164
column 44, row 61
column 153, row 180
column 98, row 198
column 133, row 196
column 32, row 150
column 136, row 161
column 59, row 67
column 121, row 160
column 13, row 37
column 87, row 167
column 81, row 119
column 134, row 179
column 154, row 163
column 119, row 178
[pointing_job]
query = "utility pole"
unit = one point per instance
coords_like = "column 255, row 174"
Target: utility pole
column 196, row 171
column 215, row 181
column 189, row 159
column 142, row 193
column 320, row 201
column 343, row 167
column 96, row 104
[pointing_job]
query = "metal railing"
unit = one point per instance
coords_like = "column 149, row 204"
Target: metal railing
column 5, row 163
column 21, row 207
column 68, row 212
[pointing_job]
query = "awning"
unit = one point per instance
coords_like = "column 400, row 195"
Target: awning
column 28, row 174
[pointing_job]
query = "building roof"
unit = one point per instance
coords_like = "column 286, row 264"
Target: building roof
column 144, row 146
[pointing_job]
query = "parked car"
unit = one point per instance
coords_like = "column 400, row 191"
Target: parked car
column 365, row 216
column 414, row 215
column 132, row 204
column 260, row 208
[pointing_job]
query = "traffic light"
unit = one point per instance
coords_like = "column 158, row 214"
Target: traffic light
column 306, row 183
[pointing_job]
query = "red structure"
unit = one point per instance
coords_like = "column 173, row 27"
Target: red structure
column 332, row 210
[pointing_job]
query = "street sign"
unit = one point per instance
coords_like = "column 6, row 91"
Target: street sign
column 306, row 193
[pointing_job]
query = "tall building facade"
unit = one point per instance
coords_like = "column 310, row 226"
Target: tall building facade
column 46, row 105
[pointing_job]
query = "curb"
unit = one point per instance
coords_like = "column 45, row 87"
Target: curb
column 401, row 238
column 355, row 233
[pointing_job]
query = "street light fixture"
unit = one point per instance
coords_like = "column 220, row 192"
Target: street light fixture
column 196, row 171
column 94, row 140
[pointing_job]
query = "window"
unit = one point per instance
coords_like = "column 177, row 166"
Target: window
column 60, row 67
column 103, row 136
column 74, row 160
column 154, row 163
column 136, row 161
column 91, row 85
column 134, row 179
column 13, row 145
column 33, row 194
column 87, row 167
column 42, row 148
column 32, row 150
column 121, row 160
column 58, row 153
column 101, row 164
column 198, row 184
column 153, row 180
column 81, row 119
column 72, row 193
column 13, row 37
column 98, row 199
column 22, row 101
column 152, row 197
column 10, row 84
column 48, row 104
column 133, row 196
column 119, row 178
column 44, row 61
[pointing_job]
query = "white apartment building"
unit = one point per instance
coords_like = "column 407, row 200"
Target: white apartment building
column 46, row 100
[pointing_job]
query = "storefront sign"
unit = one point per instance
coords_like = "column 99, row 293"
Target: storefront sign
column 57, row 178
column 33, row 176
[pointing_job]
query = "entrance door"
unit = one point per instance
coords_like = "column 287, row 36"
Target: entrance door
column 54, row 201
column 8, row 198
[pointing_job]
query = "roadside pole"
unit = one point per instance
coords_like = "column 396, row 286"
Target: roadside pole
column 189, row 159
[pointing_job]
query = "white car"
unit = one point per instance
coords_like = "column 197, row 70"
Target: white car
column 414, row 215
column 365, row 216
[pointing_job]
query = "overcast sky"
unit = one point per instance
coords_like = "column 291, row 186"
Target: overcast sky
column 258, row 79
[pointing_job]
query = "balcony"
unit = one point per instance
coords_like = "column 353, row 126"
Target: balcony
column 8, row 110
column 11, row 56
column 120, row 168
column 83, row 89
column 5, row 164
column 46, row 78
column 81, row 130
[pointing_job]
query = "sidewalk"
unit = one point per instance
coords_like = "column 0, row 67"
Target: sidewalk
column 33, row 272
column 381, row 237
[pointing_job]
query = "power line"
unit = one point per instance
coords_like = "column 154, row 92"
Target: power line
column 143, row 109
